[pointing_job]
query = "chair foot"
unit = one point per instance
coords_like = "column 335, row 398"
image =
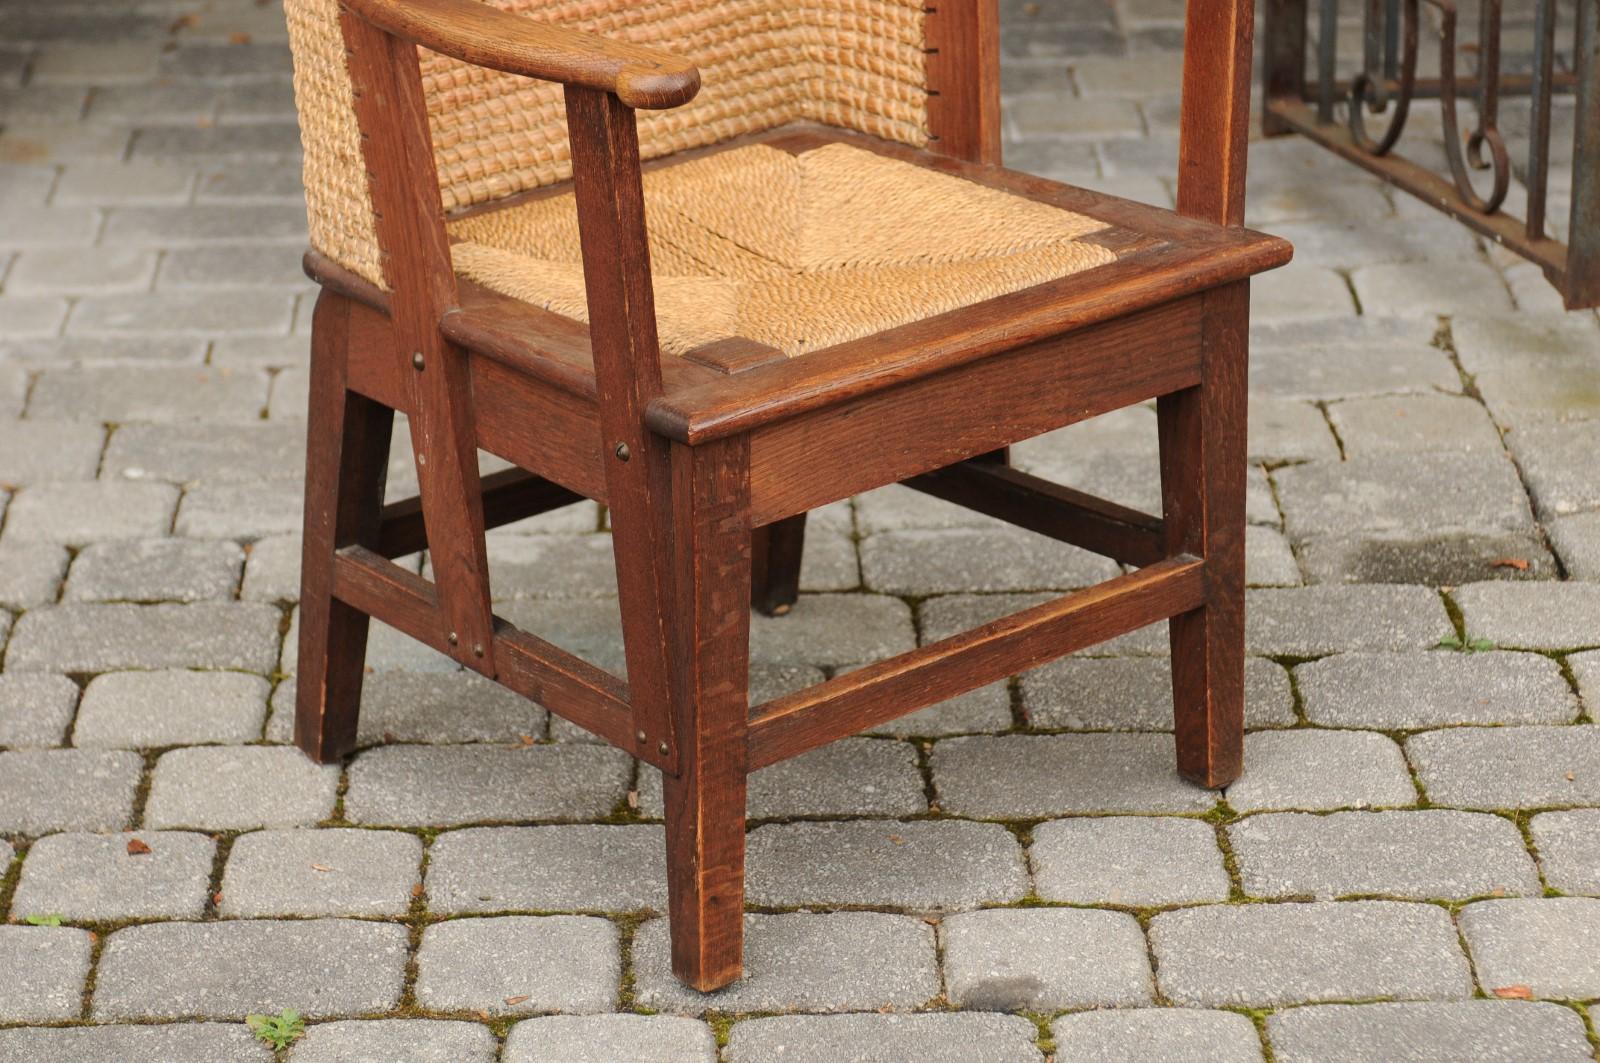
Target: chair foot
column 775, row 565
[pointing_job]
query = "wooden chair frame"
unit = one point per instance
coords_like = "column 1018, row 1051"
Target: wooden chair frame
column 709, row 463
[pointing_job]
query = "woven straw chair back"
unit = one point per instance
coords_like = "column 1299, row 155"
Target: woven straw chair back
column 856, row 64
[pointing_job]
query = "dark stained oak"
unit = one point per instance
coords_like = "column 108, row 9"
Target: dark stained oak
column 483, row 35
column 877, row 693
column 392, row 112
column 1203, row 464
column 347, row 462
column 709, row 462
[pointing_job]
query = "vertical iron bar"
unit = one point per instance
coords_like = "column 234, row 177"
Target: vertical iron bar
column 1544, row 57
column 1327, row 56
column 1583, row 242
column 1391, row 39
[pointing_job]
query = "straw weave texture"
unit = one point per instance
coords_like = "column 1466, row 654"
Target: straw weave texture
column 797, row 252
column 856, row 64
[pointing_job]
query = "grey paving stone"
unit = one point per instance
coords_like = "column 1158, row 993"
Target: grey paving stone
column 1268, row 559
column 95, row 878
column 1432, row 689
column 203, row 1042
column 850, row 777
column 1137, row 861
column 1285, row 430
column 833, row 630
column 984, row 710
column 392, row 1040
column 35, row 710
column 839, row 961
column 1302, row 292
column 1157, row 1035
column 582, row 867
column 149, row 710
column 1410, row 493
column 1024, row 776
column 74, row 270
column 1425, row 855
column 30, row 573
column 928, row 1038
column 321, row 872
column 147, row 393
column 123, row 182
column 433, row 707
column 1413, row 289
column 77, row 513
column 149, row 570
column 100, row 638
column 239, row 788
column 1485, row 1031
column 606, row 1038
column 447, row 786
column 387, row 650
column 1135, row 694
column 1444, row 560
column 323, row 968
column 1045, row 959
column 180, row 453
column 241, row 511
column 233, row 266
column 272, row 570
column 1484, row 342
column 514, row 965
column 936, row 561
column 1576, row 537
column 919, row 865
column 45, row 970
column 1555, row 460
column 36, row 451
column 1569, row 849
column 552, row 566
column 951, row 614
column 1509, row 767
column 1537, row 616
column 1586, row 670
column 1414, row 423
column 44, row 790
column 1309, row 769
column 1315, row 621
column 32, row 315
column 1263, row 955
column 1343, row 366
column 1549, row 944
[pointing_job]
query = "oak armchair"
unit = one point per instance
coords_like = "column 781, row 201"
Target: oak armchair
column 821, row 282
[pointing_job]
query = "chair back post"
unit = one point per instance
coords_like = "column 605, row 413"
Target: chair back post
column 391, row 111
column 1214, row 125
column 962, row 39
column 609, row 190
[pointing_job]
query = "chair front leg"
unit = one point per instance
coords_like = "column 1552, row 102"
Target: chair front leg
column 709, row 682
column 1203, row 467
column 776, row 551
column 347, row 458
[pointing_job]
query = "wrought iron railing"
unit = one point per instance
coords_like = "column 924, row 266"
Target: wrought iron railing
column 1364, row 116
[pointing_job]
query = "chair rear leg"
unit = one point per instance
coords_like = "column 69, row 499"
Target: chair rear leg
column 705, row 800
column 347, row 455
column 1203, row 466
column 775, row 565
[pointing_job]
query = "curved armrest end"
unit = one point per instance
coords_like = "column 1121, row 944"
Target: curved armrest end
column 486, row 36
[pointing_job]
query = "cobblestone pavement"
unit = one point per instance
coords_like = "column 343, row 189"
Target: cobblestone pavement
column 1015, row 874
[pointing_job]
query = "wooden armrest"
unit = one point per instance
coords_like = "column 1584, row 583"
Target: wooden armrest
column 486, row 36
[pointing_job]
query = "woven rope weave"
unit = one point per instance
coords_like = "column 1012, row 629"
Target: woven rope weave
column 795, row 251
column 856, row 64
